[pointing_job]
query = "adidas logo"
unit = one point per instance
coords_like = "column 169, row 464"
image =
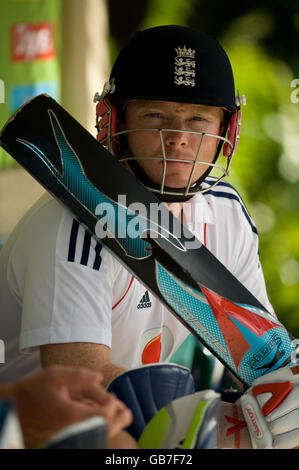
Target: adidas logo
column 145, row 301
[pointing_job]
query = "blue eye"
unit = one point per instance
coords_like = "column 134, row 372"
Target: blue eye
column 198, row 118
column 154, row 115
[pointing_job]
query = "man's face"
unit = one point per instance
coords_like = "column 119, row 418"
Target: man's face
column 145, row 114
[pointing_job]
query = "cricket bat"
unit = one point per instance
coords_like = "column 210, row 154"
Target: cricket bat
column 116, row 209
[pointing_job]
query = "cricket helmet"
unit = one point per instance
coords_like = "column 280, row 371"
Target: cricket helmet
column 178, row 64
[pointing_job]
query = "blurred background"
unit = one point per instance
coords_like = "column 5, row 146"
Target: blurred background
column 65, row 48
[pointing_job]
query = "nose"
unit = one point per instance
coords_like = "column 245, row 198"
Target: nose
column 176, row 137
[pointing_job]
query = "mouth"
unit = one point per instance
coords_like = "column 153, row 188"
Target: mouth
column 176, row 164
column 176, row 161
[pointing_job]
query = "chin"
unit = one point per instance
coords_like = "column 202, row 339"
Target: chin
column 176, row 181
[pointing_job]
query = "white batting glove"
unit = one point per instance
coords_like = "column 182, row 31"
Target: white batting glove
column 271, row 409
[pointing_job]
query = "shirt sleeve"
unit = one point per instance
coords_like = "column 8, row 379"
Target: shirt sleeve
column 67, row 293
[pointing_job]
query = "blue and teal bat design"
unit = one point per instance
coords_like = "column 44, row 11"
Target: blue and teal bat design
column 191, row 282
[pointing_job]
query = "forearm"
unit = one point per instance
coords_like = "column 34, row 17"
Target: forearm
column 110, row 371
column 88, row 355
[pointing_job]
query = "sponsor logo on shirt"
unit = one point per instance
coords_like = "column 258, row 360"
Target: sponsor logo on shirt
column 152, row 350
column 32, row 41
column 145, row 301
column 155, row 345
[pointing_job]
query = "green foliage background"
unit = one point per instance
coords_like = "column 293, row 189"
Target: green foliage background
column 261, row 40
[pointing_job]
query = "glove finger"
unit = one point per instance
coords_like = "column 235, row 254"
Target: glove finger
column 289, row 404
column 288, row 440
column 288, row 422
column 280, row 375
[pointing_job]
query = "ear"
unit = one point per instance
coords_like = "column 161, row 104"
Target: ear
column 233, row 133
column 107, row 118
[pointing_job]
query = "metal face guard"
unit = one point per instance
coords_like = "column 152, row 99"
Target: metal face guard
column 196, row 161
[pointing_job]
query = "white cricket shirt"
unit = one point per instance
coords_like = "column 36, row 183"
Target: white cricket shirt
column 58, row 285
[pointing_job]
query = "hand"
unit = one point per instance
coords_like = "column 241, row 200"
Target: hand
column 56, row 397
column 271, row 409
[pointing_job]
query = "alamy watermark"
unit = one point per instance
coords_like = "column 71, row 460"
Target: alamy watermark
column 295, row 93
column 2, row 91
column 295, row 353
column 2, row 352
column 136, row 220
